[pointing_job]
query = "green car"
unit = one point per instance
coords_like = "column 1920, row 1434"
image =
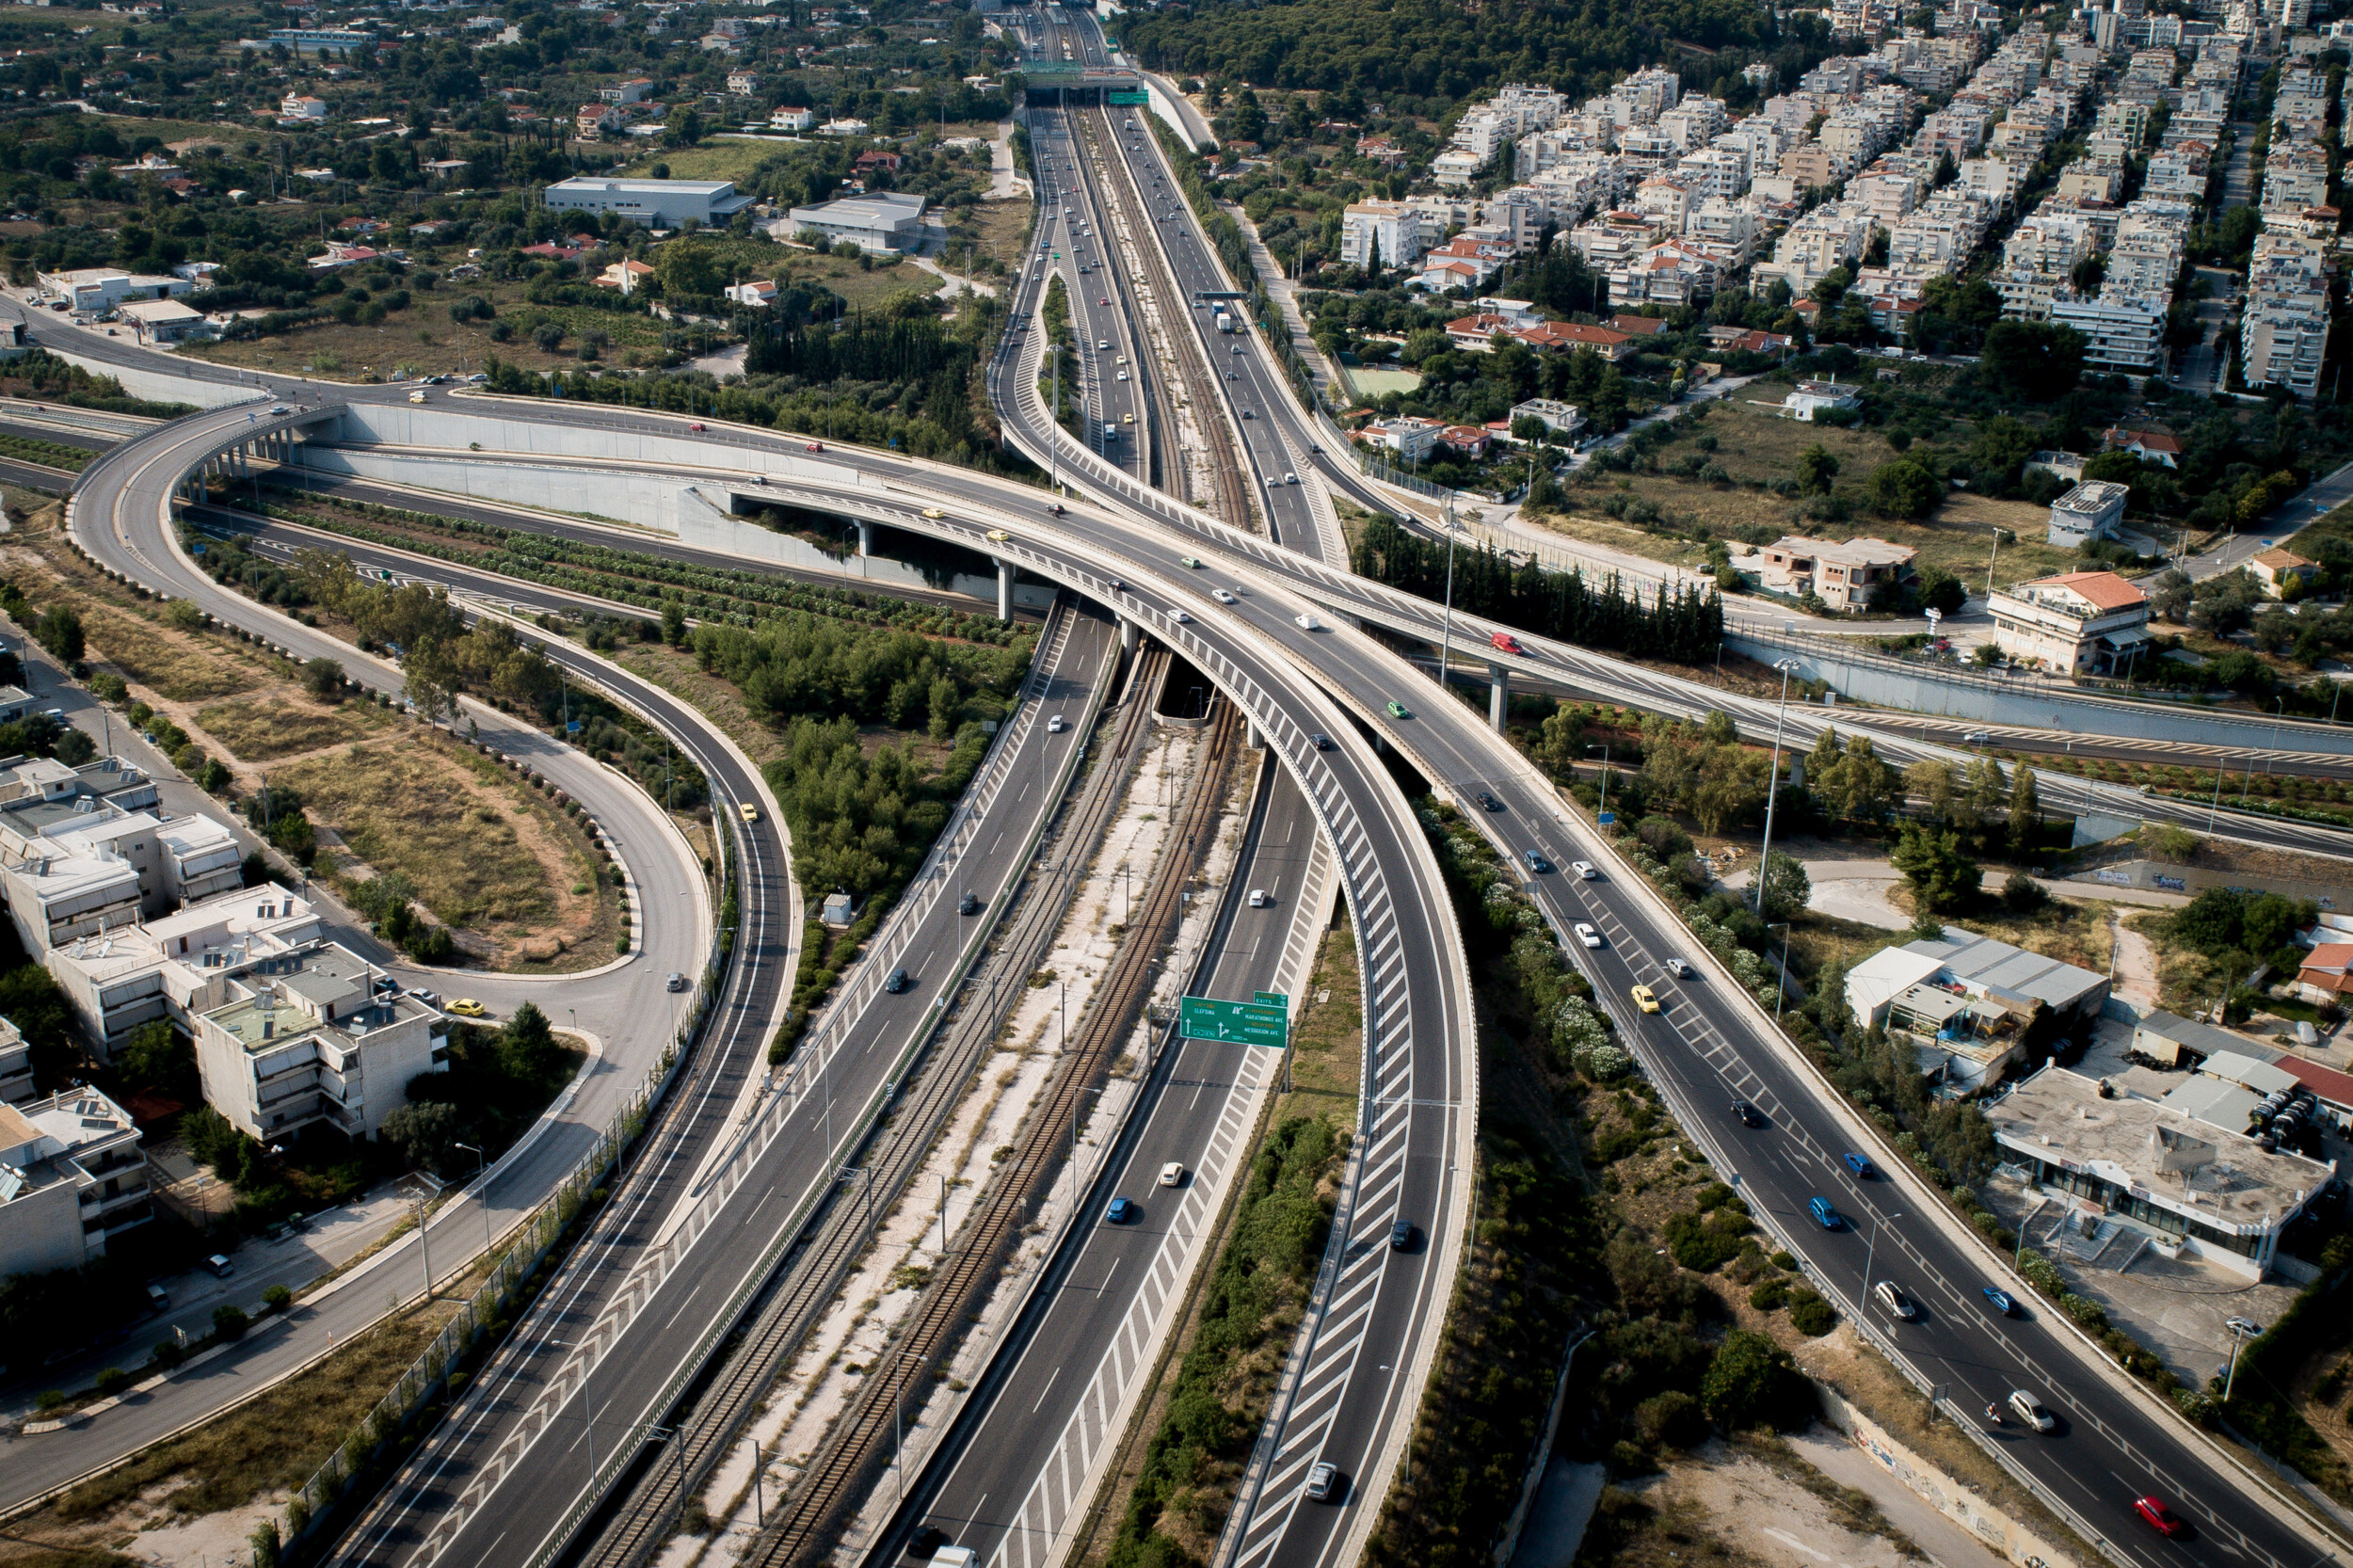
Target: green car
column 1396, row 710
column 1192, row 563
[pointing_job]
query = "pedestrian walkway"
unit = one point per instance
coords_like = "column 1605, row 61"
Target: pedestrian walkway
column 1286, row 296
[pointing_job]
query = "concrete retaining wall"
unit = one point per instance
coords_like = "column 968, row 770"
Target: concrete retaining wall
column 668, row 507
column 1890, row 685
column 2160, row 877
column 2003, row 1536
column 162, row 387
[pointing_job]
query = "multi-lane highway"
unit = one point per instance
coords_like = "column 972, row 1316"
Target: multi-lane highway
column 1250, row 616
column 1015, row 1476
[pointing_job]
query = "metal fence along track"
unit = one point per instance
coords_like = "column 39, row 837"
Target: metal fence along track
column 810, row 1516
column 647, row 1512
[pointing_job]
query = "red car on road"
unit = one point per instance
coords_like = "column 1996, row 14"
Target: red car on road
column 697, row 426
column 1508, row 643
column 2160, row 1518
column 814, row 446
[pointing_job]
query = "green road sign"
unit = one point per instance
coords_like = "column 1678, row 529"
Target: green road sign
column 1252, row 1023
column 1275, row 998
column 1138, row 98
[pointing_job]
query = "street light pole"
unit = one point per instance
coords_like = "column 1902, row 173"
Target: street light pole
column 1783, row 990
column 1601, row 812
column 1772, row 782
column 1446, row 633
column 482, row 1193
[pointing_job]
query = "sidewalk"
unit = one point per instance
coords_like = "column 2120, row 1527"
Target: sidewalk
column 1286, row 296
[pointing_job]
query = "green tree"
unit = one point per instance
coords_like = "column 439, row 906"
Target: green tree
column 1785, row 889
column 1752, row 1382
column 1905, row 490
column 1816, row 469
column 59, row 630
column 527, row 1051
column 2033, row 360
column 2025, row 807
column 155, row 1057
column 323, row 677
column 425, row 1131
column 674, row 622
column 1943, row 877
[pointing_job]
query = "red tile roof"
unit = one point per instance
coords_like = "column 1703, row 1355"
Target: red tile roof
column 2103, row 588
column 1638, row 327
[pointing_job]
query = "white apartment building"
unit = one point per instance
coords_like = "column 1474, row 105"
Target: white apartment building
column 175, row 966
column 105, row 868
column 16, row 1065
column 1392, row 230
column 315, row 1038
column 2295, row 177
column 72, row 1178
column 1818, row 244
column 2283, row 336
column 2123, row 332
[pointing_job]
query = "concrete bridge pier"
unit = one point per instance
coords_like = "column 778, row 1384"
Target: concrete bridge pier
column 1004, row 588
column 865, row 538
column 1499, row 695
column 1127, row 635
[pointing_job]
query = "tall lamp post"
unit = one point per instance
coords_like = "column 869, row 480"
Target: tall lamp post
column 1446, row 631
column 1772, row 781
column 1601, row 811
column 2240, row 1330
column 1782, row 926
column 482, row 1193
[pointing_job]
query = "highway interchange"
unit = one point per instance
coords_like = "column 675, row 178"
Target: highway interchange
column 514, row 1454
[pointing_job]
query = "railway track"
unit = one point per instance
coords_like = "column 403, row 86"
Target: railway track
column 809, row 1518
column 1089, row 126
column 643, row 1515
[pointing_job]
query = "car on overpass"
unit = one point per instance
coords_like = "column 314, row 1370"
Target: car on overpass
column 1645, row 998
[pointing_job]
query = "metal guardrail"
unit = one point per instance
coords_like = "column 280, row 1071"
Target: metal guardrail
column 877, row 1105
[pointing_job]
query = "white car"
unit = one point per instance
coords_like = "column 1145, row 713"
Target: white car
column 1307, row 622
column 2030, row 1410
column 1123, row 376
column 1290, row 479
column 1587, row 934
column 1173, row 1174
column 1056, row 725
column 1180, row 618
column 1678, row 969
column 1222, row 596
column 1257, row 898
column 1584, row 870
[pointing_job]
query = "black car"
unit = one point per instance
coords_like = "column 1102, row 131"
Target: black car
column 1747, row 1113
column 897, row 982
column 968, row 905
column 1320, row 741
column 1401, row 1235
column 1489, row 802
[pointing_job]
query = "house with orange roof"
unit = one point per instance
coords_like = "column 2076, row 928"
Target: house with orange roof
column 2276, row 568
column 2149, row 446
column 2326, row 974
column 2092, row 622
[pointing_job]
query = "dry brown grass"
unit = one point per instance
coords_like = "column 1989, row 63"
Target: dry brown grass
column 275, row 1443
column 281, row 724
column 483, row 852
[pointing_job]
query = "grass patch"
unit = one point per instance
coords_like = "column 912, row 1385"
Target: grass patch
column 477, row 844
column 277, row 1442
column 259, row 728
column 178, row 669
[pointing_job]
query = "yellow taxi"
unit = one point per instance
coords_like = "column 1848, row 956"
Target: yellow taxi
column 466, row 1007
column 998, row 536
column 1643, row 999
column 751, row 812
column 933, row 513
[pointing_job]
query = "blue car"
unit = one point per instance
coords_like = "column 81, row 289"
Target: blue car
column 2000, row 1301
column 1824, row 1215
column 1123, row 1211
column 1860, row 1166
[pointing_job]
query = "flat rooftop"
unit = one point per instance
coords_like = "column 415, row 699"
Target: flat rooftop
column 1998, row 967
column 2190, row 1164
